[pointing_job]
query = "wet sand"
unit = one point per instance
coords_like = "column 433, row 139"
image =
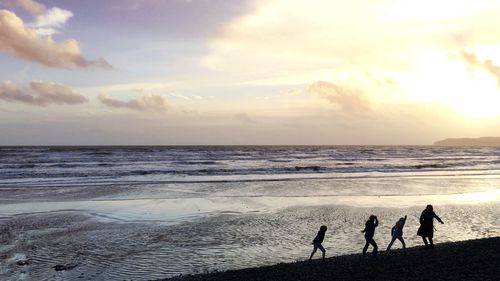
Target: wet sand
column 467, row 260
column 104, row 245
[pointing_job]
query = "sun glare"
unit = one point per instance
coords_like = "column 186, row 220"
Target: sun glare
column 480, row 99
column 486, row 196
column 470, row 91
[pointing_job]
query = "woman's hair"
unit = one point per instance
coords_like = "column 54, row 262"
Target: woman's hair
column 429, row 207
column 323, row 228
column 372, row 217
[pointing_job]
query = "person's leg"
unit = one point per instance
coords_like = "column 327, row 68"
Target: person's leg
column 402, row 242
column 314, row 251
column 425, row 241
column 322, row 250
column 431, row 242
column 375, row 247
column 390, row 244
column 366, row 247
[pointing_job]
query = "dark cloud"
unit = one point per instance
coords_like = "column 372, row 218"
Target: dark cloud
column 348, row 100
column 40, row 93
column 143, row 103
column 486, row 65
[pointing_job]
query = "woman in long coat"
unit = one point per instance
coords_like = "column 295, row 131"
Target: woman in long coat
column 426, row 229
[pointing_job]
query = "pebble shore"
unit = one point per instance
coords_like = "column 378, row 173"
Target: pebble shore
column 467, row 260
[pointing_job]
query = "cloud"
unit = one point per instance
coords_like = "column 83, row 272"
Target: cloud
column 243, row 117
column 284, row 42
column 297, row 42
column 348, row 100
column 40, row 93
column 486, row 65
column 50, row 22
column 47, row 21
column 134, row 87
column 24, row 43
column 143, row 103
column 31, row 6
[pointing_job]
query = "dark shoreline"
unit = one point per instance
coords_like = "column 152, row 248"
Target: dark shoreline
column 465, row 260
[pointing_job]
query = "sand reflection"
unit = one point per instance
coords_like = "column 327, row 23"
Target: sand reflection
column 178, row 210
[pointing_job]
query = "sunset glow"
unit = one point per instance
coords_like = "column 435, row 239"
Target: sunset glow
column 248, row 71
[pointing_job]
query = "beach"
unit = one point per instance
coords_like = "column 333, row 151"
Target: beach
column 147, row 213
column 104, row 245
column 466, row 260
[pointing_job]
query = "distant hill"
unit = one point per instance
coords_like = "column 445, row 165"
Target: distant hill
column 484, row 141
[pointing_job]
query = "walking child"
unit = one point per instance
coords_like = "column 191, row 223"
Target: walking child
column 397, row 233
column 317, row 242
column 369, row 233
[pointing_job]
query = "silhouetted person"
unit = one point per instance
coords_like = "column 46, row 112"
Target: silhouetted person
column 426, row 229
column 397, row 233
column 318, row 240
column 369, row 232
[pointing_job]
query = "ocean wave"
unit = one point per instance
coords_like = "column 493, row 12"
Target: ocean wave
column 200, row 179
column 431, row 166
column 105, row 170
column 116, row 163
column 65, row 165
column 201, row 162
column 27, row 166
column 96, row 153
column 307, row 168
column 280, row 160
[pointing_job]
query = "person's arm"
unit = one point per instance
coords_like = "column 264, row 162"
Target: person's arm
column 404, row 221
column 376, row 221
column 438, row 219
column 366, row 225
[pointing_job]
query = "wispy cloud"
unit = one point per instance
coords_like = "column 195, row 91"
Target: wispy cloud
column 47, row 21
column 31, row 6
column 144, row 103
column 51, row 22
column 40, row 93
column 348, row 100
column 486, row 65
column 142, row 87
column 23, row 42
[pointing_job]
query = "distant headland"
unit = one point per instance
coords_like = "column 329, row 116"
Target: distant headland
column 484, row 141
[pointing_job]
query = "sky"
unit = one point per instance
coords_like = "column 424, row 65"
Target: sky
column 192, row 72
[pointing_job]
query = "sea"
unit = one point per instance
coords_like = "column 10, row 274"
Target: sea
column 152, row 212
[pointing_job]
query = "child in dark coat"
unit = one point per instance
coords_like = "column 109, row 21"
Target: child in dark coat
column 318, row 240
column 369, row 231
